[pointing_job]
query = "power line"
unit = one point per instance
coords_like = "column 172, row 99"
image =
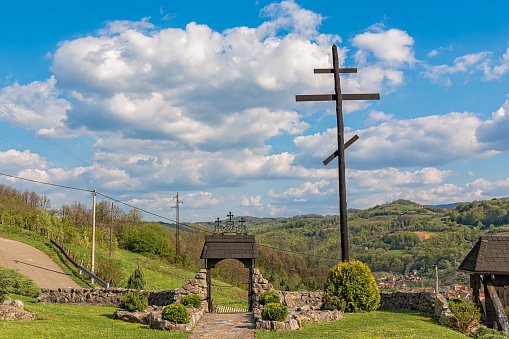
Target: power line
column 141, row 209
column 46, row 183
column 87, row 190
column 65, row 150
column 80, row 141
column 44, row 163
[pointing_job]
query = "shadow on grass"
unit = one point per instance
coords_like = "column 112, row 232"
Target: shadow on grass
column 430, row 318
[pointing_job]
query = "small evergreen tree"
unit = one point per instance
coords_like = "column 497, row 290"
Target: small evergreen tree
column 137, row 279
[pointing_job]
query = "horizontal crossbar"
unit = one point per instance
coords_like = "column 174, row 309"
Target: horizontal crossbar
column 331, row 70
column 331, row 97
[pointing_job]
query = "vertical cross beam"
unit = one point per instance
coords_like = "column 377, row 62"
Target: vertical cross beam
column 342, row 145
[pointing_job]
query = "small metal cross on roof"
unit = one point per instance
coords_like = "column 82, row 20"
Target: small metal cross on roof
column 342, row 145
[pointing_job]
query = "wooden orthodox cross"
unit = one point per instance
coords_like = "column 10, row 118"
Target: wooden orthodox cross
column 342, row 145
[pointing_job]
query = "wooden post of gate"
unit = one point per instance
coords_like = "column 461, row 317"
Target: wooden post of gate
column 342, row 145
column 209, row 287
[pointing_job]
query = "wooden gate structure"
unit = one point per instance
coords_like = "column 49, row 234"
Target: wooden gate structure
column 488, row 265
column 229, row 242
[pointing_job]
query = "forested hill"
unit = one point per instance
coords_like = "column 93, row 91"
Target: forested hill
column 397, row 237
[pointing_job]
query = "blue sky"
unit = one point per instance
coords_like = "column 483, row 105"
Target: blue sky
column 144, row 99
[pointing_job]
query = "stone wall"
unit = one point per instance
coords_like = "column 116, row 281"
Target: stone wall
column 419, row 301
column 112, row 296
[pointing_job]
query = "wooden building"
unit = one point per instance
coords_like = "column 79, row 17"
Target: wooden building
column 488, row 266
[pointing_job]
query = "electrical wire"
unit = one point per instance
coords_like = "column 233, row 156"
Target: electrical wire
column 46, row 183
column 11, row 116
column 80, row 141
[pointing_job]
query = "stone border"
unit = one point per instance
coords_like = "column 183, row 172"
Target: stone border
column 152, row 317
column 112, row 296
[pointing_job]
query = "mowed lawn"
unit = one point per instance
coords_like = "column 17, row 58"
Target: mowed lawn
column 76, row 321
column 378, row 324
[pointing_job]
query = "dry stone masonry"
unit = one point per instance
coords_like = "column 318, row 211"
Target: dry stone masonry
column 112, row 296
column 419, row 301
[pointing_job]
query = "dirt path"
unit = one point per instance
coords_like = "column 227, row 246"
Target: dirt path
column 225, row 325
column 33, row 263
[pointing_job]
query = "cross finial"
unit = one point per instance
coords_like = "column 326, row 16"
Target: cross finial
column 242, row 221
column 230, row 215
column 218, row 222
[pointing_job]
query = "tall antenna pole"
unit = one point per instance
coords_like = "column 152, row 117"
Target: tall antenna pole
column 92, row 265
column 177, row 230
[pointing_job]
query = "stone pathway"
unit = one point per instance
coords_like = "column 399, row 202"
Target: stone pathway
column 225, row 325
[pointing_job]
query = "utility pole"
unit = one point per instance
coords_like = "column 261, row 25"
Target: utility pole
column 92, row 265
column 111, row 227
column 177, row 230
column 436, row 280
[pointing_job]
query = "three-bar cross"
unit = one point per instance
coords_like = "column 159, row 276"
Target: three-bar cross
column 342, row 145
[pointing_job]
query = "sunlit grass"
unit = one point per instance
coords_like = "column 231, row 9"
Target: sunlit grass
column 379, row 324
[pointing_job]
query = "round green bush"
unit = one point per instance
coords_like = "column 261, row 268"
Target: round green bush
column 352, row 282
column 191, row 300
column 275, row 312
column 176, row 313
column 269, row 297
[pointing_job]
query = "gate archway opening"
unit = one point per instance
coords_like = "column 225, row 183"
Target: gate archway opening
column 241, row 247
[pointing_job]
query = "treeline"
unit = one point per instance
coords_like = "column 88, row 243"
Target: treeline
column 483, row 214
column 72, row 224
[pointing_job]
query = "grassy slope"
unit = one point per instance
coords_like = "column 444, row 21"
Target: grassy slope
column 379, row 324
column 72, row 321
column 159, row 276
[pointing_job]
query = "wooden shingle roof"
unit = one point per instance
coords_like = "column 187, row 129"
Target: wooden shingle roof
column 490, row 255
column 227, row 246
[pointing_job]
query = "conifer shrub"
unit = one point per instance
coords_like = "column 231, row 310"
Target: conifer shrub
column 269, row 297
column 176, row 313
column 331, row 302
column 133, row 301
column 274, row 312
column 137, row 279
column 191, row 300
column 487, row 333
column 13, row 282
column 352, row 282
column 466, row 313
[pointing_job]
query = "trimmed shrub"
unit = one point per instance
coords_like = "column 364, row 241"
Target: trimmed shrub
column 275, row 312
column 269, row 297
column 137, row 279
column 133, row 301
column 176, row 313
column 331, row 302
column 191, row 300
column 352, row 282
column 467, row 314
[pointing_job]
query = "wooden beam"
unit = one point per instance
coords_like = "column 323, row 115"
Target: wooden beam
column 351, row 141
column 361, row 96
column 331, row 70
column 316, row 97
column 500, row 316
column 336, row 153
column 330, row 158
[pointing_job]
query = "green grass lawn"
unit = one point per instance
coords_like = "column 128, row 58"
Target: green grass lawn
column 76, row 321
column 378, row 324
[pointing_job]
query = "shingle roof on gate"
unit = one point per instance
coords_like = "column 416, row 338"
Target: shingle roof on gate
column 490, row 255
column 226, row 246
